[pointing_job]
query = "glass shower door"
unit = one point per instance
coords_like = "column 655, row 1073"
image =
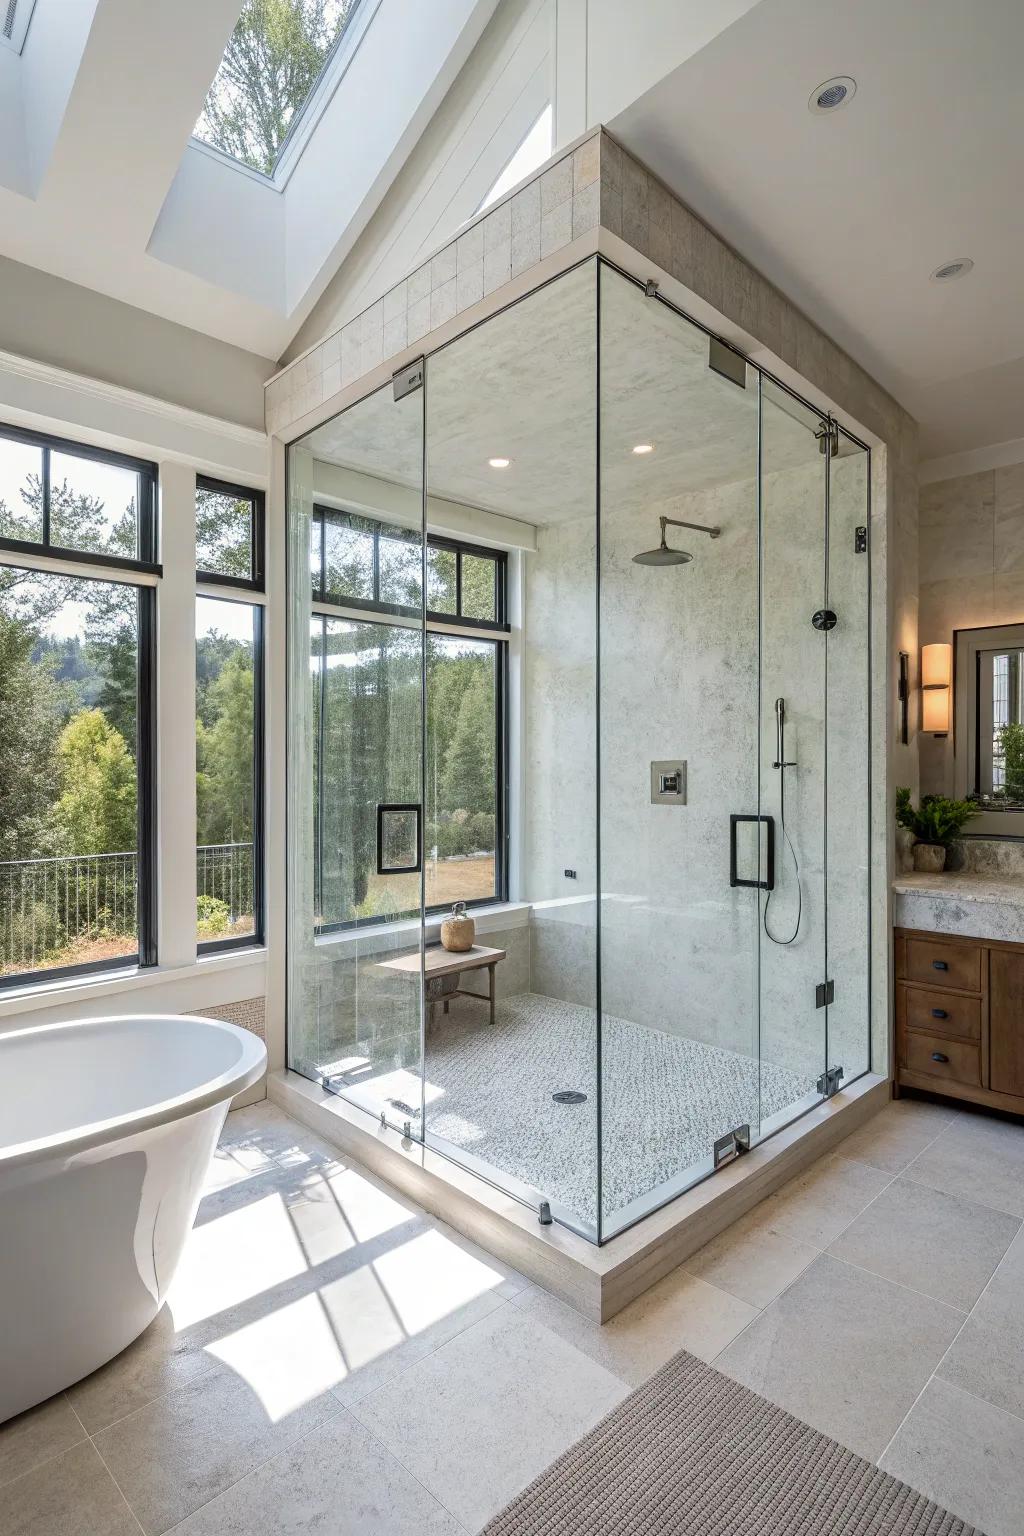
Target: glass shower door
column 792, row 735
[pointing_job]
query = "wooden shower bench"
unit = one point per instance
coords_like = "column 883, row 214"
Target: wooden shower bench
column 442, row 969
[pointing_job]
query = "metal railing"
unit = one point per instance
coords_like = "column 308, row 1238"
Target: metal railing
column 74, row 909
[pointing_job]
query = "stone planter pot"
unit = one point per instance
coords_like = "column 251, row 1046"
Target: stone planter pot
column 929, row 858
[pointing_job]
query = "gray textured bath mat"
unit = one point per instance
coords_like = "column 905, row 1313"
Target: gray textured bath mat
column 692, row 1453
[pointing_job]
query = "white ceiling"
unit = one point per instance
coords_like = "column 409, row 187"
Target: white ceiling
column 524, row 387
column 849, row 214
column 101, row 183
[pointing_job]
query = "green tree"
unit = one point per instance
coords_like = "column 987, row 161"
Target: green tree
column 467, row 780
column 223, row 533
column 33, row 706
column 224, row 766
column 269, row 67
column 96, row 812
column 1011, row 743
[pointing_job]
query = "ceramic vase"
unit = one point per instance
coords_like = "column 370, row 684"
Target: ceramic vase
column 458, row 931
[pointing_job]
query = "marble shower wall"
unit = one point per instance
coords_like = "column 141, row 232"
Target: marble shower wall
column 680, row 949
column 972, row 574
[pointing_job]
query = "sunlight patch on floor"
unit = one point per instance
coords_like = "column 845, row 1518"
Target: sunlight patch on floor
column 233, row 1257
column 288, row 1358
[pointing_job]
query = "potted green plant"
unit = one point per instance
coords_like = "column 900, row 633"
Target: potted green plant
column 936, row 824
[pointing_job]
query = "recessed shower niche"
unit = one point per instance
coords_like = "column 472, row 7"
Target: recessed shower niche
column 579, row 551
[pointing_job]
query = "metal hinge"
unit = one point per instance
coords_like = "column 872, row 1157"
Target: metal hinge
column 544, row 1213
column 824, row 993
column 860, row 541
column 828, row 438
column 650, row 289
column 828, row 1082
column 408, row 379
column 731, row 1145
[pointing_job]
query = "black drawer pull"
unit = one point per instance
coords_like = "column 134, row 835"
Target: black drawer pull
column 938, row 1056
column 939, row 965
column 939, row 1013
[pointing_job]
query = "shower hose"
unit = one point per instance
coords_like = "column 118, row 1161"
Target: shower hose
column 796, row 868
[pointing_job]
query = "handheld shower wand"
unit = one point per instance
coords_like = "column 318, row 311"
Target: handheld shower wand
column 782, row 764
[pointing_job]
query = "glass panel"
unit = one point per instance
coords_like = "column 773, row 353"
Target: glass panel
column 355, row 744
column 68, row 779
column 489, row 1090
column 348, row 552
column 369, row 756
column 223, row 533
column 441, row 580
column 401, row 568
column 21, row 491
column 225, row 768
column 793, row 588
column 478, row 588
column 462, row 803
column 848, row 764
column 678, row 706
column 93, row 506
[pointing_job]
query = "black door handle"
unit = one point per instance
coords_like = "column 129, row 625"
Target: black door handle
column 768, row 884
column 940, row 965
column 938, row 1056
column 939, row 1013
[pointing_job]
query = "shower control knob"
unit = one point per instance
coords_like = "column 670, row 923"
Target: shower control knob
column 824, row 619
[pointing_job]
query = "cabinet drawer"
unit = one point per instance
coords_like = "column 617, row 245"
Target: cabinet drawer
column 935, row 1056
column 938, row 1013
column 943, row 964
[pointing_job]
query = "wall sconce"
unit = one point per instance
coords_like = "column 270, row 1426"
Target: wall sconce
column 937, row 688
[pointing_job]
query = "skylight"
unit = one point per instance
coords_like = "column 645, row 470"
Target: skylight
column 275, row 59
column 15, row 16
column 532, row 152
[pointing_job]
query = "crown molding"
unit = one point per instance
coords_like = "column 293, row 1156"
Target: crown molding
column 128, row 399
column 973, row 461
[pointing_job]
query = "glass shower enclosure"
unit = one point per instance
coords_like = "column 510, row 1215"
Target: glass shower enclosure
column 578, row 614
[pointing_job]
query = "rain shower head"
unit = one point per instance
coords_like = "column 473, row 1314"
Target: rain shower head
column 663, row 555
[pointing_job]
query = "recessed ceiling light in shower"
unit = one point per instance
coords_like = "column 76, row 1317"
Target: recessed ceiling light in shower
column 951, row 270
column 499, row 463
column 644, row 448
column 832, row 94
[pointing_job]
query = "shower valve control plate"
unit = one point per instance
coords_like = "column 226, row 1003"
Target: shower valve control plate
column 668, row 783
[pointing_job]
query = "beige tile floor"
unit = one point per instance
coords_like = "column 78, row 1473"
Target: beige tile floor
column 332, row 1359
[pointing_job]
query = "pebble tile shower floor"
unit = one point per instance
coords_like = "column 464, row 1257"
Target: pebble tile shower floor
column 666, row 1099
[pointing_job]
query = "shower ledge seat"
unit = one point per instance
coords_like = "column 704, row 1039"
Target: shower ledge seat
column 442, row 969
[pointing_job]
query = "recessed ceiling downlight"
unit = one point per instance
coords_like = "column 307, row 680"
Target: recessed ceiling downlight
column 499, row 463
column 951, row 270
column 832, row 94
column 642, row 448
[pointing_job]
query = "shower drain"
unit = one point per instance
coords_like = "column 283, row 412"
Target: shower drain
column 569, row 1096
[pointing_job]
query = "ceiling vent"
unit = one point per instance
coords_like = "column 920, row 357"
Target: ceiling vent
column 831, row 95
column 14, row 19
column 951, row 270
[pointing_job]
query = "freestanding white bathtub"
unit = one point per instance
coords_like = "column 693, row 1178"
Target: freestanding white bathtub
column 107, row 1127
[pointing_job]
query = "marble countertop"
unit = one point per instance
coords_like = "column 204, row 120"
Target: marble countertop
column 981, row 906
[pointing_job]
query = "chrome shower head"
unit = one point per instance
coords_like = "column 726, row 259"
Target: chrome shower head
column 663, row 555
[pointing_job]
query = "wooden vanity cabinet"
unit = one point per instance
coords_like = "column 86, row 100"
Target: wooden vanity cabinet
column 960, row 1017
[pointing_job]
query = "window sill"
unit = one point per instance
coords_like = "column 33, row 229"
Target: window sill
column 492, row 919
column 73, row 989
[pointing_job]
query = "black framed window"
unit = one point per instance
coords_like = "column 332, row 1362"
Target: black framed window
column 361, row 562
column 77, row 710
column 72, row 501
column 230, row 666
column 368, row 669
column 229, row 534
